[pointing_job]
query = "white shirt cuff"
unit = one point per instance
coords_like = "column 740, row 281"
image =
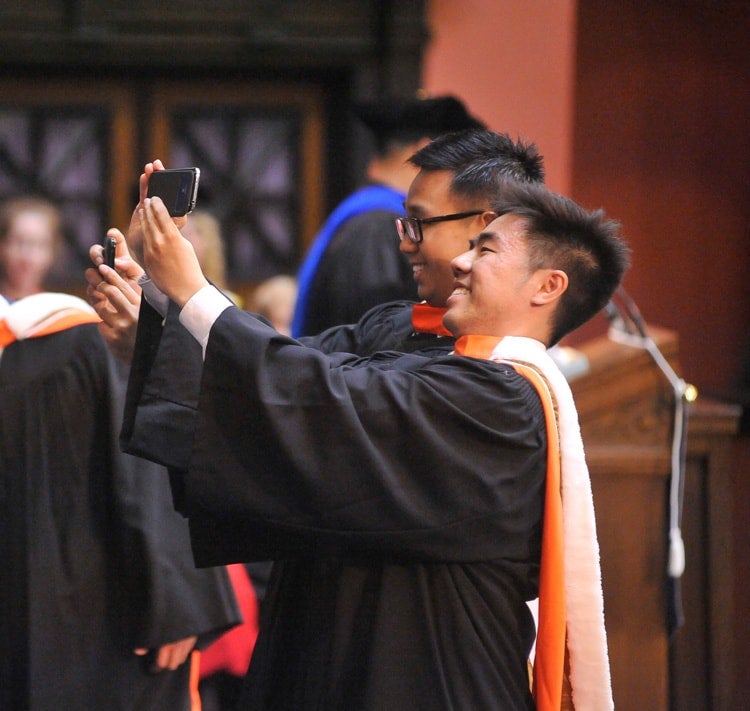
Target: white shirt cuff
column 157, row 298
column 201, row 311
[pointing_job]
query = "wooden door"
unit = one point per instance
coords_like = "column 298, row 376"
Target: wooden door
column 82, row 144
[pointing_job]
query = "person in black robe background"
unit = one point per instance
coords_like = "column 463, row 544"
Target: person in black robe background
column 95, row 561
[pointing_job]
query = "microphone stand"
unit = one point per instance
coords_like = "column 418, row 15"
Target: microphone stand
column 632, row 331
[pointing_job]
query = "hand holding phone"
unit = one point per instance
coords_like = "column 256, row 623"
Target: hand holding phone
column 177, row 187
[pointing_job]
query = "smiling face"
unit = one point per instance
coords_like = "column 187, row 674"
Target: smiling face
column 496, row 292
column 430, row 196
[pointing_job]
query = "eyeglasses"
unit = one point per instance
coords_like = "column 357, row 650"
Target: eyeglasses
column 411, row 227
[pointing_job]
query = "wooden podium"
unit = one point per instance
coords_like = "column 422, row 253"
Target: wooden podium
column 626, row 409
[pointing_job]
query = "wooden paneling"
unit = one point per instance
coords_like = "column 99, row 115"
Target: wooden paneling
column 626, row 410
column 297, row 34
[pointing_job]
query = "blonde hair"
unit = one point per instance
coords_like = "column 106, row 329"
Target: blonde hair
column 14, row 206
column 275, row 298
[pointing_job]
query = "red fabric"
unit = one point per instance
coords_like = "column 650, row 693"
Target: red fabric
column 428, row 319
column 476, row 346
column 232, row 651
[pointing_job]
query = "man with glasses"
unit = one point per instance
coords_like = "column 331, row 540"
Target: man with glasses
column 351, row 265
column 448, row 202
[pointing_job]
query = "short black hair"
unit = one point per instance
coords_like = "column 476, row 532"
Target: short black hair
column 481, row 161
column 562, row 235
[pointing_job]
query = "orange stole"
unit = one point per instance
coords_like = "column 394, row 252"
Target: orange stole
column 6, row 335
column 195, row 697
column 549, row 662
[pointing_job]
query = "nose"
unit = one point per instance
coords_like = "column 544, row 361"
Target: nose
column 462, row 263
column 406, row 246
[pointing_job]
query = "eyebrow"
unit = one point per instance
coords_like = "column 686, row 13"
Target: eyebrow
column 415, row 210
column 481, row 238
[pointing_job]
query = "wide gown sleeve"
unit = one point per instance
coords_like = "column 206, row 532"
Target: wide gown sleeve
column 163, row 388
column 163, row 596
column 413, row 457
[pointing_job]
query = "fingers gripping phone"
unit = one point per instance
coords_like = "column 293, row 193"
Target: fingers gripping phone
column 177, row 187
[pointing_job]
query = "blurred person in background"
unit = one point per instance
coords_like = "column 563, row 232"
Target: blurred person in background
column 30, row 237
column 203, row 231
column 101, row 604
column 275, row 298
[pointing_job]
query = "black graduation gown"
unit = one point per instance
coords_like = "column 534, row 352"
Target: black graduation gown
column 95, row 560
column 165, row 378
column 164, row 385
column 401, row 498
column 387, row 327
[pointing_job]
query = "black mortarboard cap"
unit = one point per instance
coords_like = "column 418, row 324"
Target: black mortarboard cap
column 415, row 118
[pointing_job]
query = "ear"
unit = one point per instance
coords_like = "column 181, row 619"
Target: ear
column 552, row 285
column 488, row 216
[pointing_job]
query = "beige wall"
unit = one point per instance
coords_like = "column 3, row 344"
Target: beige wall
column 512, row 62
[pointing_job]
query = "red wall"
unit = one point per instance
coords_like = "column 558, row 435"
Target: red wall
column 661, row 139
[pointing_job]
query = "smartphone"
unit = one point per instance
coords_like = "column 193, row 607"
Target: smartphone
column 109, row 251
column 177, row 187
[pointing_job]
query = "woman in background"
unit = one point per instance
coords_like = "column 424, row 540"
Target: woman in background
column 30, row 237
